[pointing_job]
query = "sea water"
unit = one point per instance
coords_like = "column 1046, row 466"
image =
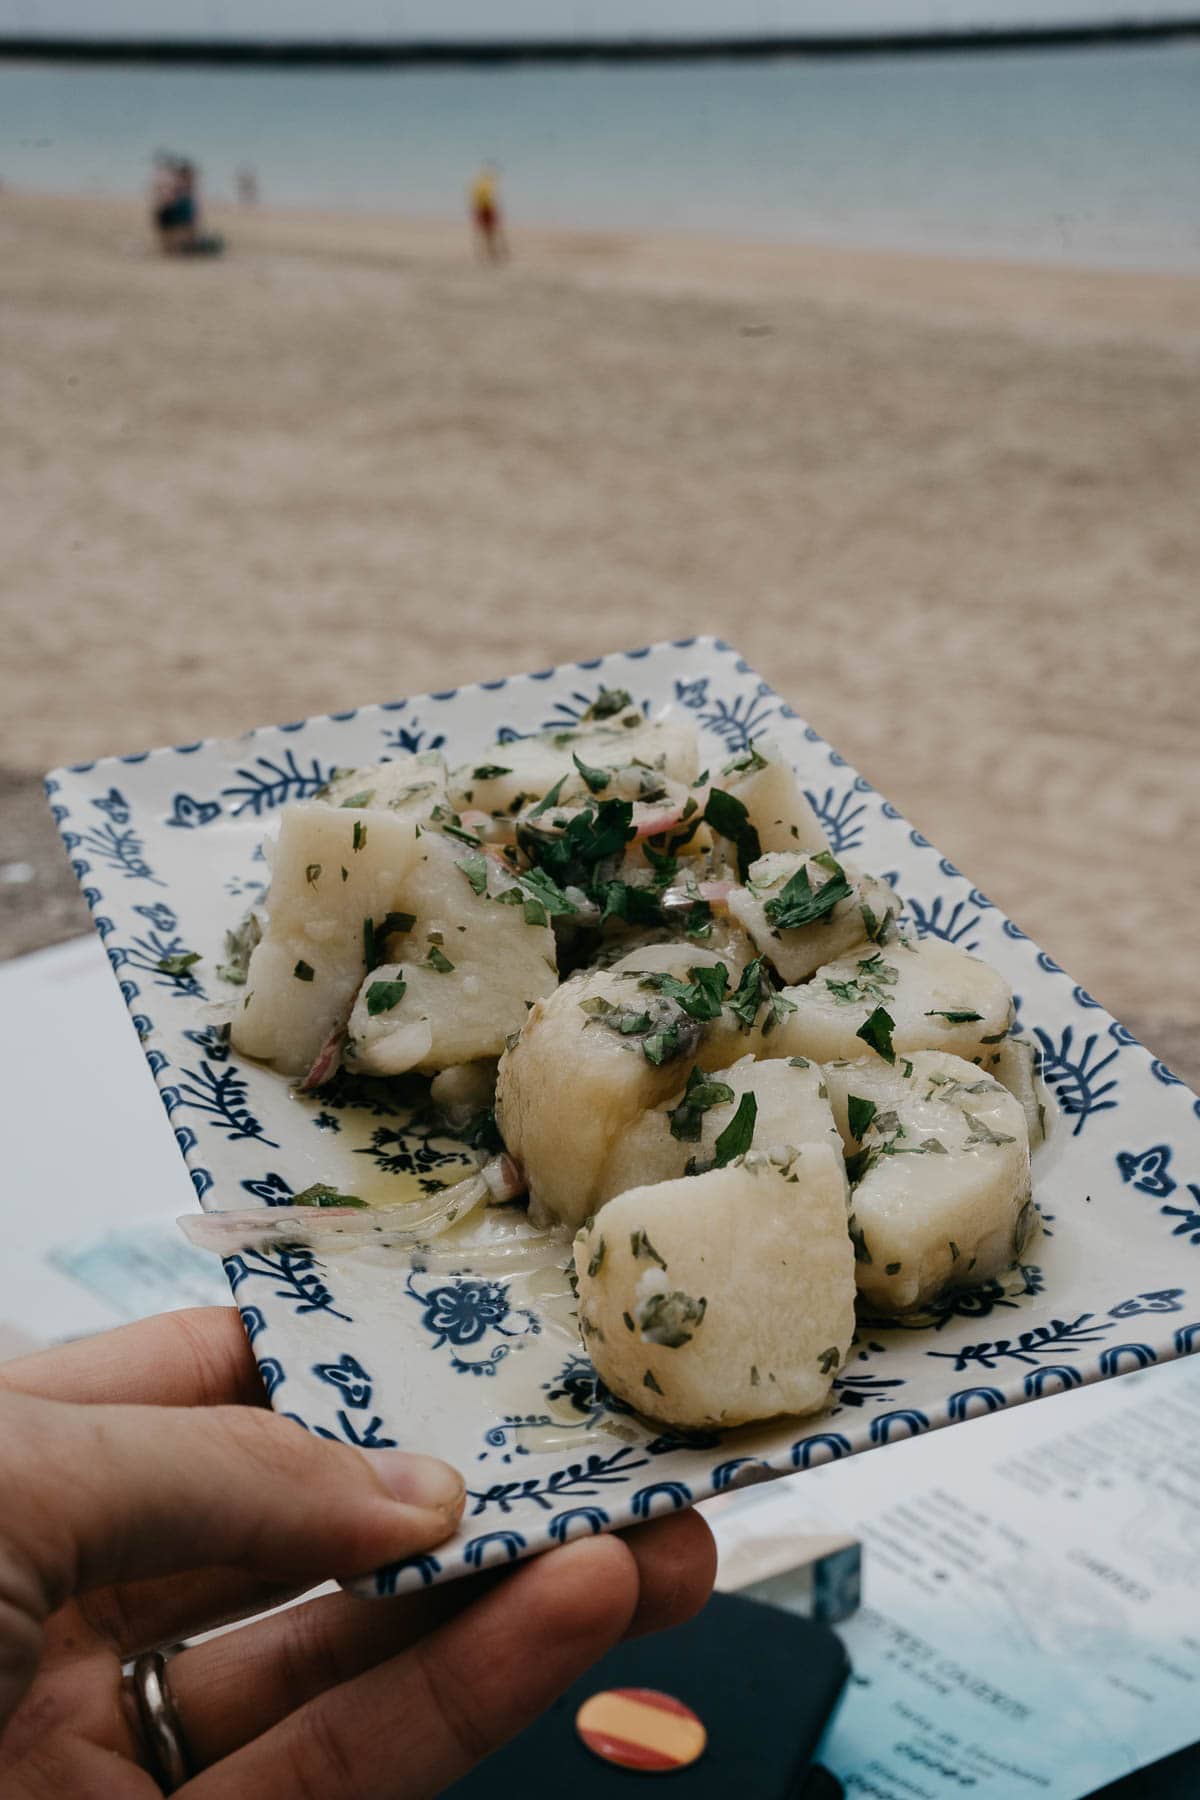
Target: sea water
column 1089, row 155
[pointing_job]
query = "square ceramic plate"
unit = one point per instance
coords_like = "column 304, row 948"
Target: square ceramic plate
column 463, row 1356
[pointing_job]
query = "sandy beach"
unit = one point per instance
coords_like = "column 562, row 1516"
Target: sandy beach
column 948, row 508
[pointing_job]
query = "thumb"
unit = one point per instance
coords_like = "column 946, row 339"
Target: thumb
column 97, row 1494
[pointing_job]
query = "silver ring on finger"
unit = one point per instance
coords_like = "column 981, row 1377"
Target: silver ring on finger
column 162, row 1730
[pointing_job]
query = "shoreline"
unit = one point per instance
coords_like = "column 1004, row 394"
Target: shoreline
column 1072, row 302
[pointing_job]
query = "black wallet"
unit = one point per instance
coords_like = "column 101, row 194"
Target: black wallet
column 764, row 1683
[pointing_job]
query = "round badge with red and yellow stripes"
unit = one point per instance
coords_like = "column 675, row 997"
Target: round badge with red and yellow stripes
column 640, row 1728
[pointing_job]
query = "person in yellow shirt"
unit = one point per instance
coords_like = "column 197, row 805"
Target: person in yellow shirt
column 485, row 212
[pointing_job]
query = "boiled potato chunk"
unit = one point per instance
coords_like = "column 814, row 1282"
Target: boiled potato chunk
column 938, row 1156
column 469, row 964
column 792, row 1108
column 937, row 997
column 785, row 886
column 724, row 1297
column 584, row 1069
column 506, row 777
column 410, row 785
column 770, row 790
column 331, row 868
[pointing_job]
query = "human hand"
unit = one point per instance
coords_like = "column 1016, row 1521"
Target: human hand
column 146, row 1493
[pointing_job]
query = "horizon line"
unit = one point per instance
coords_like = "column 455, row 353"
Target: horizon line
column 305, row 52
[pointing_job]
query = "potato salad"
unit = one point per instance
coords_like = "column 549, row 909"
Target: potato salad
column 679, row 1029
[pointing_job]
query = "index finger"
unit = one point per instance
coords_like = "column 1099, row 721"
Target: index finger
column 196, row 1357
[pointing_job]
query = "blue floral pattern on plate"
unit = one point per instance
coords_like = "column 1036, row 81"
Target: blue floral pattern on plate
column 373, row 1347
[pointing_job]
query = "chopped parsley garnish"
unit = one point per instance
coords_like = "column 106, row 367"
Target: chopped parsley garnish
column 640, row 1245
column 319, row 1194
column 798, row 903
column 596, row 1260
column 860, row 1113
column 538, row 894
column 303, row 971
column 549, row 798
column 649, row 1381
column 982, row 1133
column 664, row 1319
column 437, row 960
column 829, row 1359
column 749, row 759
column 359, row 800
column 454, row 828
column 395, row 921
column 661, row 1046
column 312, row 874
column 623, row 1019
column 596, row 780
column 878, row 928
column 369, row 956
column 700, row 1094
column 858, row 1239
column 934, row 1146
column 489, row 772
column 738, row 1135
column 360, row 834
column 474, row 867
column 877, row 1032
column 730, row 819
column 345, row 873
column 239, row 946
column 608, row 702
column 752, row 989
column 998, row 1037
column 699, row 920
column 893, row 1268
column 636, row 905
column 956, row 1018
column 596, row 832
column 383, row 995
column 700, row 995
column 799, row 1062
column 955, row 1252
column 180, row 963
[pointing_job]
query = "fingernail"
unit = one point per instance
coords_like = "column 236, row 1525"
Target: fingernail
column 421, row 1481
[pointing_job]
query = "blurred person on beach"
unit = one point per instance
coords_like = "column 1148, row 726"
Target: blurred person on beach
column 246, row 182
column 490, row 240
column 147, row 1492
column 175, row 207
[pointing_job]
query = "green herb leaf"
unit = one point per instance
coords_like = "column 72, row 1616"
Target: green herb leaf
column 636, row 905
column 489, row 772
column 699, row 1096
column 860, row 1113
column 596, row 1260
column 180, row 963
column 699, row 920
column 700, row 995
column 877, row 1032
column 608, row 702
column 474, row 867
column 319, row 1194
column 738, row 1135
column 829, row 1359
column 359, row 800
column 395, row 922
column 730, row 819
column 596, row 779
column 662, row 1046
column 956, row 1018
column 549, row 798
column 753, row 987
column 303, row 971
column 893, row 1268
column 664, row 1319
column 743, row 764
column 360, row 834
column 640, row 1245
column 436, row 960
column 312, row 874
column 649, row 1382
column 797, row 903
column 383, row 995
column 368, row 931
column 982, row 1133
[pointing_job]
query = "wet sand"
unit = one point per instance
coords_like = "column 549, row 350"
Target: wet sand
column 948, row 508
